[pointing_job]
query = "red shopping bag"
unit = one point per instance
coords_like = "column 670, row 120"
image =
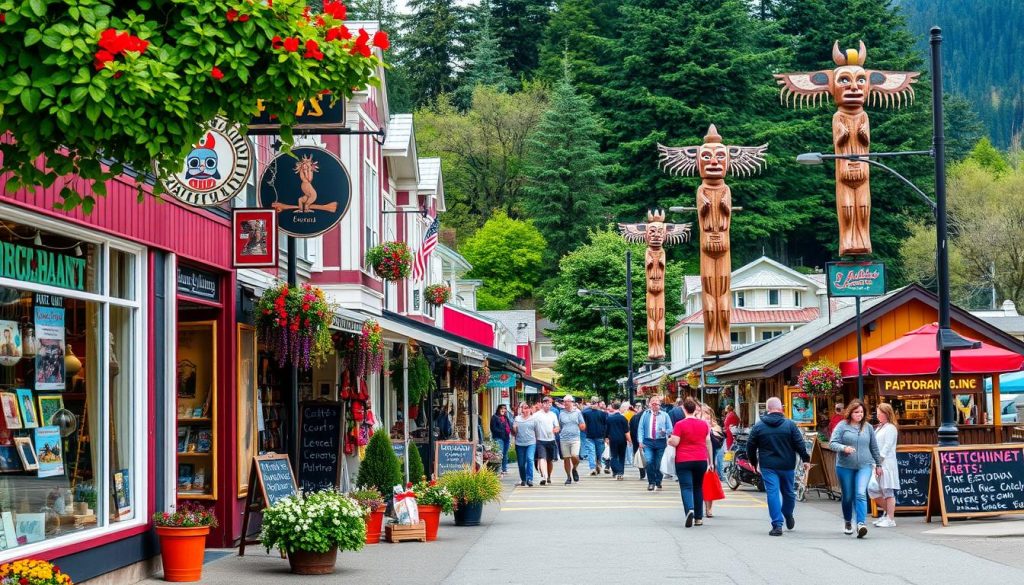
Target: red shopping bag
column 712, row 487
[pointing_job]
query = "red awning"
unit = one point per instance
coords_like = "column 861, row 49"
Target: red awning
column 915, row 354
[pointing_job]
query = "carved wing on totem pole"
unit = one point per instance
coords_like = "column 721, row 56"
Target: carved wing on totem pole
column 682, row 160
column 677, row 233
column 635, row 233
column 746, row 160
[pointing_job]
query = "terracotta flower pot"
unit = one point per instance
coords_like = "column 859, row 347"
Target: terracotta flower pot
column 432, row 516
column 374, row 523
column 313, row 563
column 182, row 552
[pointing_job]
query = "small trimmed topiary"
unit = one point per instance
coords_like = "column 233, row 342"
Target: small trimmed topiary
column 381, row 468
column 416, row 472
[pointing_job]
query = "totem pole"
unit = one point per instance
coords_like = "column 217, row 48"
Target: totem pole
column 712, row 161
column 656, row 234
column 851, row 86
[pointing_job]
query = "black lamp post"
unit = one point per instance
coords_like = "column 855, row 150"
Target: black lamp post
column 946, row 340
column 628, row 308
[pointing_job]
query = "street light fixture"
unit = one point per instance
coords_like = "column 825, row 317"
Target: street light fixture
column 628, row 309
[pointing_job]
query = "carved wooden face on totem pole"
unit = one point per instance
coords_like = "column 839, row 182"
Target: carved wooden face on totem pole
column 851, row 86
column 712, row 161
column 656, row 234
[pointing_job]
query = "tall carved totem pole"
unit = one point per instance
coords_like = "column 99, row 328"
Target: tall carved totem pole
column 851, row 86
column 712, row 161
column 656, row 234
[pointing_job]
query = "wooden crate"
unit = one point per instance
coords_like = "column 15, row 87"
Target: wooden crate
column 403, row 532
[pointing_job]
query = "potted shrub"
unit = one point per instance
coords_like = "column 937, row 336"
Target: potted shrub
column 380, row 468
column 415, row 462
column 313, row 528
column 182, row 535
column 390, row 260
column 33, row 572
column 373, row 502
column 437, row 294
column 433, row 500
column 471, row 490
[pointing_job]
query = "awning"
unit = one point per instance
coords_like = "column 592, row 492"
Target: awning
column 532, row 385
column 1008, row 383
column 348, row 321
column 915, row 354
column 466, row 351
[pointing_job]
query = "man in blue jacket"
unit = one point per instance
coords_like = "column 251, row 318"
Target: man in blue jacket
column 773, row 446
column 597, row 432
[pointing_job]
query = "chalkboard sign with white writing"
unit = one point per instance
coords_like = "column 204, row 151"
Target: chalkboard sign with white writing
column 276, row 479
column 980, row 480
column 319, row 445
column 452, row 456
column 915, row 467
column 399, row 448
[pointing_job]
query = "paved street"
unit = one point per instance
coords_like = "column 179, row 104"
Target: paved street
column 600, row 531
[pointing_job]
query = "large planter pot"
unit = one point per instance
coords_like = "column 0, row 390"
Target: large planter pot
column 374, row 523
column 313, row 563
column 181, row 550
column 468, row 514
column 431, row 515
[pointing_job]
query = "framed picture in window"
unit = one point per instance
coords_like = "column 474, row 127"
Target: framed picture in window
column 48, row 406
column 12, row 414
column 29, row 416
column 27, row 453
column 9, row 460
column 255, row 235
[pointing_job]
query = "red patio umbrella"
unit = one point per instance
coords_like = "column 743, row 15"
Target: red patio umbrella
column 915, row 354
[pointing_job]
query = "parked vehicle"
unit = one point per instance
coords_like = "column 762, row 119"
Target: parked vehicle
column 739, row 470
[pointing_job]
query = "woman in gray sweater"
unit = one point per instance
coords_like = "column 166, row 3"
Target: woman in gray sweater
column 857, row 454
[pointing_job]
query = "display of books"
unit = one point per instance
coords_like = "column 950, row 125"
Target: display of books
column 204, row 440
column 199, row 479
column 185, row 476
column 183, row 434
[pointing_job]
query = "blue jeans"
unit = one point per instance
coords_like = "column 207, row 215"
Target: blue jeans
column 720, row 462
column 618, row 457
column 778, row 483
column 596, row 450
column 691, row 486
column 504, row 454
column 854, row 483
column 586, row 449
column 653, row 451
column 524, row 459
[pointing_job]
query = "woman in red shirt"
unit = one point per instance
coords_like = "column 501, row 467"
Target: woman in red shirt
column 692, row 439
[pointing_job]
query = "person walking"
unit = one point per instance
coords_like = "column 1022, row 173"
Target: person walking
column 732, row 421
column 524, row 427
column 597, row 433
column 618, row 437
column 501, row 431
column 571, row 423
column 837, row 418
column 655, row 427
column 546, row 428
column 691, row 437
column 634, row 432
column 586, row 448
column 773, row 446
column 677, row 413
column 856, row 449
column 717, row 443
column 887, row 435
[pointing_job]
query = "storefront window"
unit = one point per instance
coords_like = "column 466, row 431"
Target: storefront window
column 122, row 275
column 68, row 389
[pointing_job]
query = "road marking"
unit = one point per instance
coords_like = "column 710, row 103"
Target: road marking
column 620, row 507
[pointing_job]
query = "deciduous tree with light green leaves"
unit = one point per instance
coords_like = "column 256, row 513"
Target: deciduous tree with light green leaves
column 507, row 254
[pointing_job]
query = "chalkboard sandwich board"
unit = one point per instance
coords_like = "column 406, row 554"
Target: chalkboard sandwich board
column 915, row 467
column 399, row 448
column 979, row 480
column 452, row 456
column 320, row 431
column 270, row 481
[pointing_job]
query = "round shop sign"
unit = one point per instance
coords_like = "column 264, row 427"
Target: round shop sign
column 309, row 189
column 216, row 169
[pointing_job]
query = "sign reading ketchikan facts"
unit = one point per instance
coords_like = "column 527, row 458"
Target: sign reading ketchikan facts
column 216, row 169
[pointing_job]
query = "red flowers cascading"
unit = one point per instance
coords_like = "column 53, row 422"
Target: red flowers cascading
column 113, row 43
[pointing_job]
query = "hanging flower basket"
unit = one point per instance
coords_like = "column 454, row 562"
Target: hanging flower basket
column 437, row 294
column 483, row 375
column 821, row 378
column 390, row 260
column 371, row 349
column 294, row 323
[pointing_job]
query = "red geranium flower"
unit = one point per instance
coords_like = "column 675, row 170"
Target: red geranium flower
column 216, row 73
column 313, row 50
column 380, row 40
column 291, row 44
column 102, row 57
column 339, row 32
column 243, row 18
column 232, row 15
column 276, row 42
column 320, row 21
column 336, row 9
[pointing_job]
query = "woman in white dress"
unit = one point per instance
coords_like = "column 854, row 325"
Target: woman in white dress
column 887, row 435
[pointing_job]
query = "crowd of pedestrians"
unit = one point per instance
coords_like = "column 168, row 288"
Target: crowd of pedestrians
column 686, row 443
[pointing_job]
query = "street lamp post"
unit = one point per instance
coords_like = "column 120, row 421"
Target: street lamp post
column 628, row 309
column 946, row 340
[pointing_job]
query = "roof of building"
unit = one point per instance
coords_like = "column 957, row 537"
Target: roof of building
column 749, row 276
column 1014, row 325
column 767, row 279
column 430, row 174
column 691, row 284
column 522, row 323
column 398, row 139
column 752, row 316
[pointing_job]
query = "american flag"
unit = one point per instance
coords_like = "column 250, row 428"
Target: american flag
column 419, row 265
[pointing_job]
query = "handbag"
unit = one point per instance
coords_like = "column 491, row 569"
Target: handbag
column 874, row 489
column 668, row 461
column 712, row 486
column 638, row 459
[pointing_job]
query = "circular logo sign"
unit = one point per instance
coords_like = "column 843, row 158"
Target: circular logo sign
column 309, row 189
column 216, row 169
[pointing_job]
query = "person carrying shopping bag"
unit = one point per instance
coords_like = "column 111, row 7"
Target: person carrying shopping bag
column 857, row 454
column 691, row 439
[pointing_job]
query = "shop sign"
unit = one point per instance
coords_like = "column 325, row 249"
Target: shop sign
column 198, row 284
column 40, row 266
column 216, row 169
column 309, row 189
column 927, row 385
column 856, row 279
column 501, row 380
column 320, row 115
column 346, row 324
column 255, row 236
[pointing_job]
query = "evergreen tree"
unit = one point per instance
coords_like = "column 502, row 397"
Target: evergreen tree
column 430, row 48
column 486, row 64
column 386, row 13
column 566, row 192
column 416, row 471
column 380, row 468
column 519, row 24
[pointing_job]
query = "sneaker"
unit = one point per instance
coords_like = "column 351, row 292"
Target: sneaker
column 568, row 481
column 659, row 488
column 790, row 522
column 529, row 484
column 847, row 528
column 595, row 472
column 619, row 478
column 689, row 519
column 650, row 487
column 607, row 471
column 543, row 482
column 862, row 531
column 886, row 523
column 776, row 530
column 575, row 475
column 522, row 483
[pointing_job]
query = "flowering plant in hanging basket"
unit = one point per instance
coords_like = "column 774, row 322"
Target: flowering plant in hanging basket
column 820, row 378
column 437, row 294
column 483, row 375
column 294, row 322
column 371, row 349
column 390, row 260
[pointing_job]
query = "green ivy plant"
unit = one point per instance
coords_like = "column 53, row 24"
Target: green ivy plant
column 85, row 83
